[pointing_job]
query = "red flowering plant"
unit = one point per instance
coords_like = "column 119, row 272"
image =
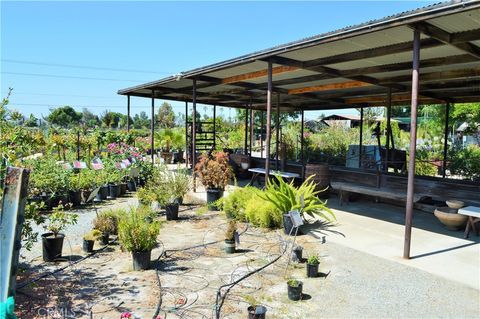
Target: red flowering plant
column 214, row 171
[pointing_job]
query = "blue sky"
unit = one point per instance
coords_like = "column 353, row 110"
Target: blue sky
column 81, row 53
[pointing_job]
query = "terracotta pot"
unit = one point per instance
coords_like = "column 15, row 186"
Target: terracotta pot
column 450, row 218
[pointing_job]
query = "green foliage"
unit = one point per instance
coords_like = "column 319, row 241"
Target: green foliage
column 234, row 204
column 293, row 282
column 47, row 176
column 286, row 197
column 166, row 116
column 59, row 220
column 107, row 222
column 469, row 113
column 331, row 144
column 93, row 234
column 64, row 116
column 168, row 137
column 313, row 260
column 32, row 216
column 466, row 162
column 136, row 234
column 262, row 213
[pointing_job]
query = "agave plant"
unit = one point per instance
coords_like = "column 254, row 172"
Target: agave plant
column 286, row 197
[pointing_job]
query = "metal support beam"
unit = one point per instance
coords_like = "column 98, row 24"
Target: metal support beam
column 389, row 128
column 277, row 132
column 245, row 146
column 262, row 128
column 302, row 142
column 152, row 129
column 187, row 148
column 194, row 132
column 360, row 149
column 413, row 145
column 128, row 113
column 214, row 126
column 445, row 141
column 269, row 120
column 252, row 129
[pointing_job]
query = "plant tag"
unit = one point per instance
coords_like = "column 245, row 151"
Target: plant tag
column 237, row 238
column 97, row 166
column 78, row 164
column 126, row 162
column 295, row 217
column 67, row 166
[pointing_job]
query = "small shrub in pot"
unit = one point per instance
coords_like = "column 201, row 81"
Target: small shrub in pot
column 295, row 288
column 312, row 266
column 230, row 237
column 89, row 240
column 107, row 224
column 138, row 236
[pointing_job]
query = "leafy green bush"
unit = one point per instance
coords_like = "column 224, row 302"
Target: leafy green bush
column 136, row 234
column 48, row 176
column 286, row 197
column 262, row 213
column 234, row 204
column 466, row 162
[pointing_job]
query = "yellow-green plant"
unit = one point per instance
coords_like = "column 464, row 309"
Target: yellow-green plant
column 286, row 197
column 136, row 233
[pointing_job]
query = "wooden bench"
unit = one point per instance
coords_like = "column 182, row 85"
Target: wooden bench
column 344, row 189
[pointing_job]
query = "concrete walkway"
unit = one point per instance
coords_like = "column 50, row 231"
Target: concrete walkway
column 378, row 229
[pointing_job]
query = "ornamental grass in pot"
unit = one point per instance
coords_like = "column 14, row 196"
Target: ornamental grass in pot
column 89, row 240
column 52, row 240
column 138, row 236
column 312, row 266
column 107, row 223
column 230, row 235
column 214, row 172
column 295, row 288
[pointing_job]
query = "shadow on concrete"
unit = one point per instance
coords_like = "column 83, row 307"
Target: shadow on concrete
column 320, row 227
column 442, row 251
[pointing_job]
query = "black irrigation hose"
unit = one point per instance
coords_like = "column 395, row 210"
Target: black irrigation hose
column 53, row 272
column 221, row 299
column 159, row 304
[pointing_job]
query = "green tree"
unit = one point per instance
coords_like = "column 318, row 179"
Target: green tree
column 470, row 114
column 166, row 116
column 32, row 121
column 90, row 119
column 111, row 119
column 64, row 116
column 141, row 120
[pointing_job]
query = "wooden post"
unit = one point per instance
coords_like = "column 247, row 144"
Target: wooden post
column 128, row 113
column 277, row 132
column 78, row 145
column 360, row 149
column 269, row 120
column 187, row 148
column 214, row 126
column 245, row 146
column 389, row 128
column 302, row 142
column 413, row 145
column 445, row 142
column 194, row 133
column 152, row 128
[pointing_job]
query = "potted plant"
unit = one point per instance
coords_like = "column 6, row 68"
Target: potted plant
column 312, row 266
column 146, row 196
column 214, row 173
column 165, row 139
column 230, row 237
column 89, row 240
column 52, row 241
column 138, row 236
column 256, row 312
column 180, row 181
column 75, row 193
column 102, row 183
column 114, row 178
column 295, row 288
column 107, row 224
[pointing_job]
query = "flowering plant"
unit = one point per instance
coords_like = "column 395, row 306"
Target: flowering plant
column 123, row 150
column 214, row 170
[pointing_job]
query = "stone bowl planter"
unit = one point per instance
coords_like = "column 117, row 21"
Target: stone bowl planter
column 457, row 204
column 450, row 218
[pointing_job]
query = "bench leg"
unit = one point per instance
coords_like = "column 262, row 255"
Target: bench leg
column 467, row 229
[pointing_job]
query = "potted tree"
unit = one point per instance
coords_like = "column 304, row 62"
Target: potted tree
column 107, row 224
column 52, row 241
column 166, row 138
column 138, row 236
column 230, row 237
column 214, row 173
column 295, row 288
column 89, row 240
column 312, row 266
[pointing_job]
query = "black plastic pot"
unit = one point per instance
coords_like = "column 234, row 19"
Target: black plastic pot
column 172, row 211
column 123, row 188
column 288, row 225
column 131, row 186
column 213, row 194
column 179, row 200
column 113, row 191
column 295, row 293
column 105, row 238
column 75, row 198
column 229, row 246
column 256, row 312
column 298, row 253
column 59, row 199
column 102, row 193
column 88, row 245
column 312, row 270
column 141, row 260
column 52, row 246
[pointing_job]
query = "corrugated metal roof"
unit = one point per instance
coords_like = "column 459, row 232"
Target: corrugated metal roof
column 381, row 49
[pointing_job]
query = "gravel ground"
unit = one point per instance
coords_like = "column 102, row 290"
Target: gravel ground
column 356, row 285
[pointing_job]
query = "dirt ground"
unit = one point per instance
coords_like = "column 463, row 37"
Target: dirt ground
column 190, row 265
